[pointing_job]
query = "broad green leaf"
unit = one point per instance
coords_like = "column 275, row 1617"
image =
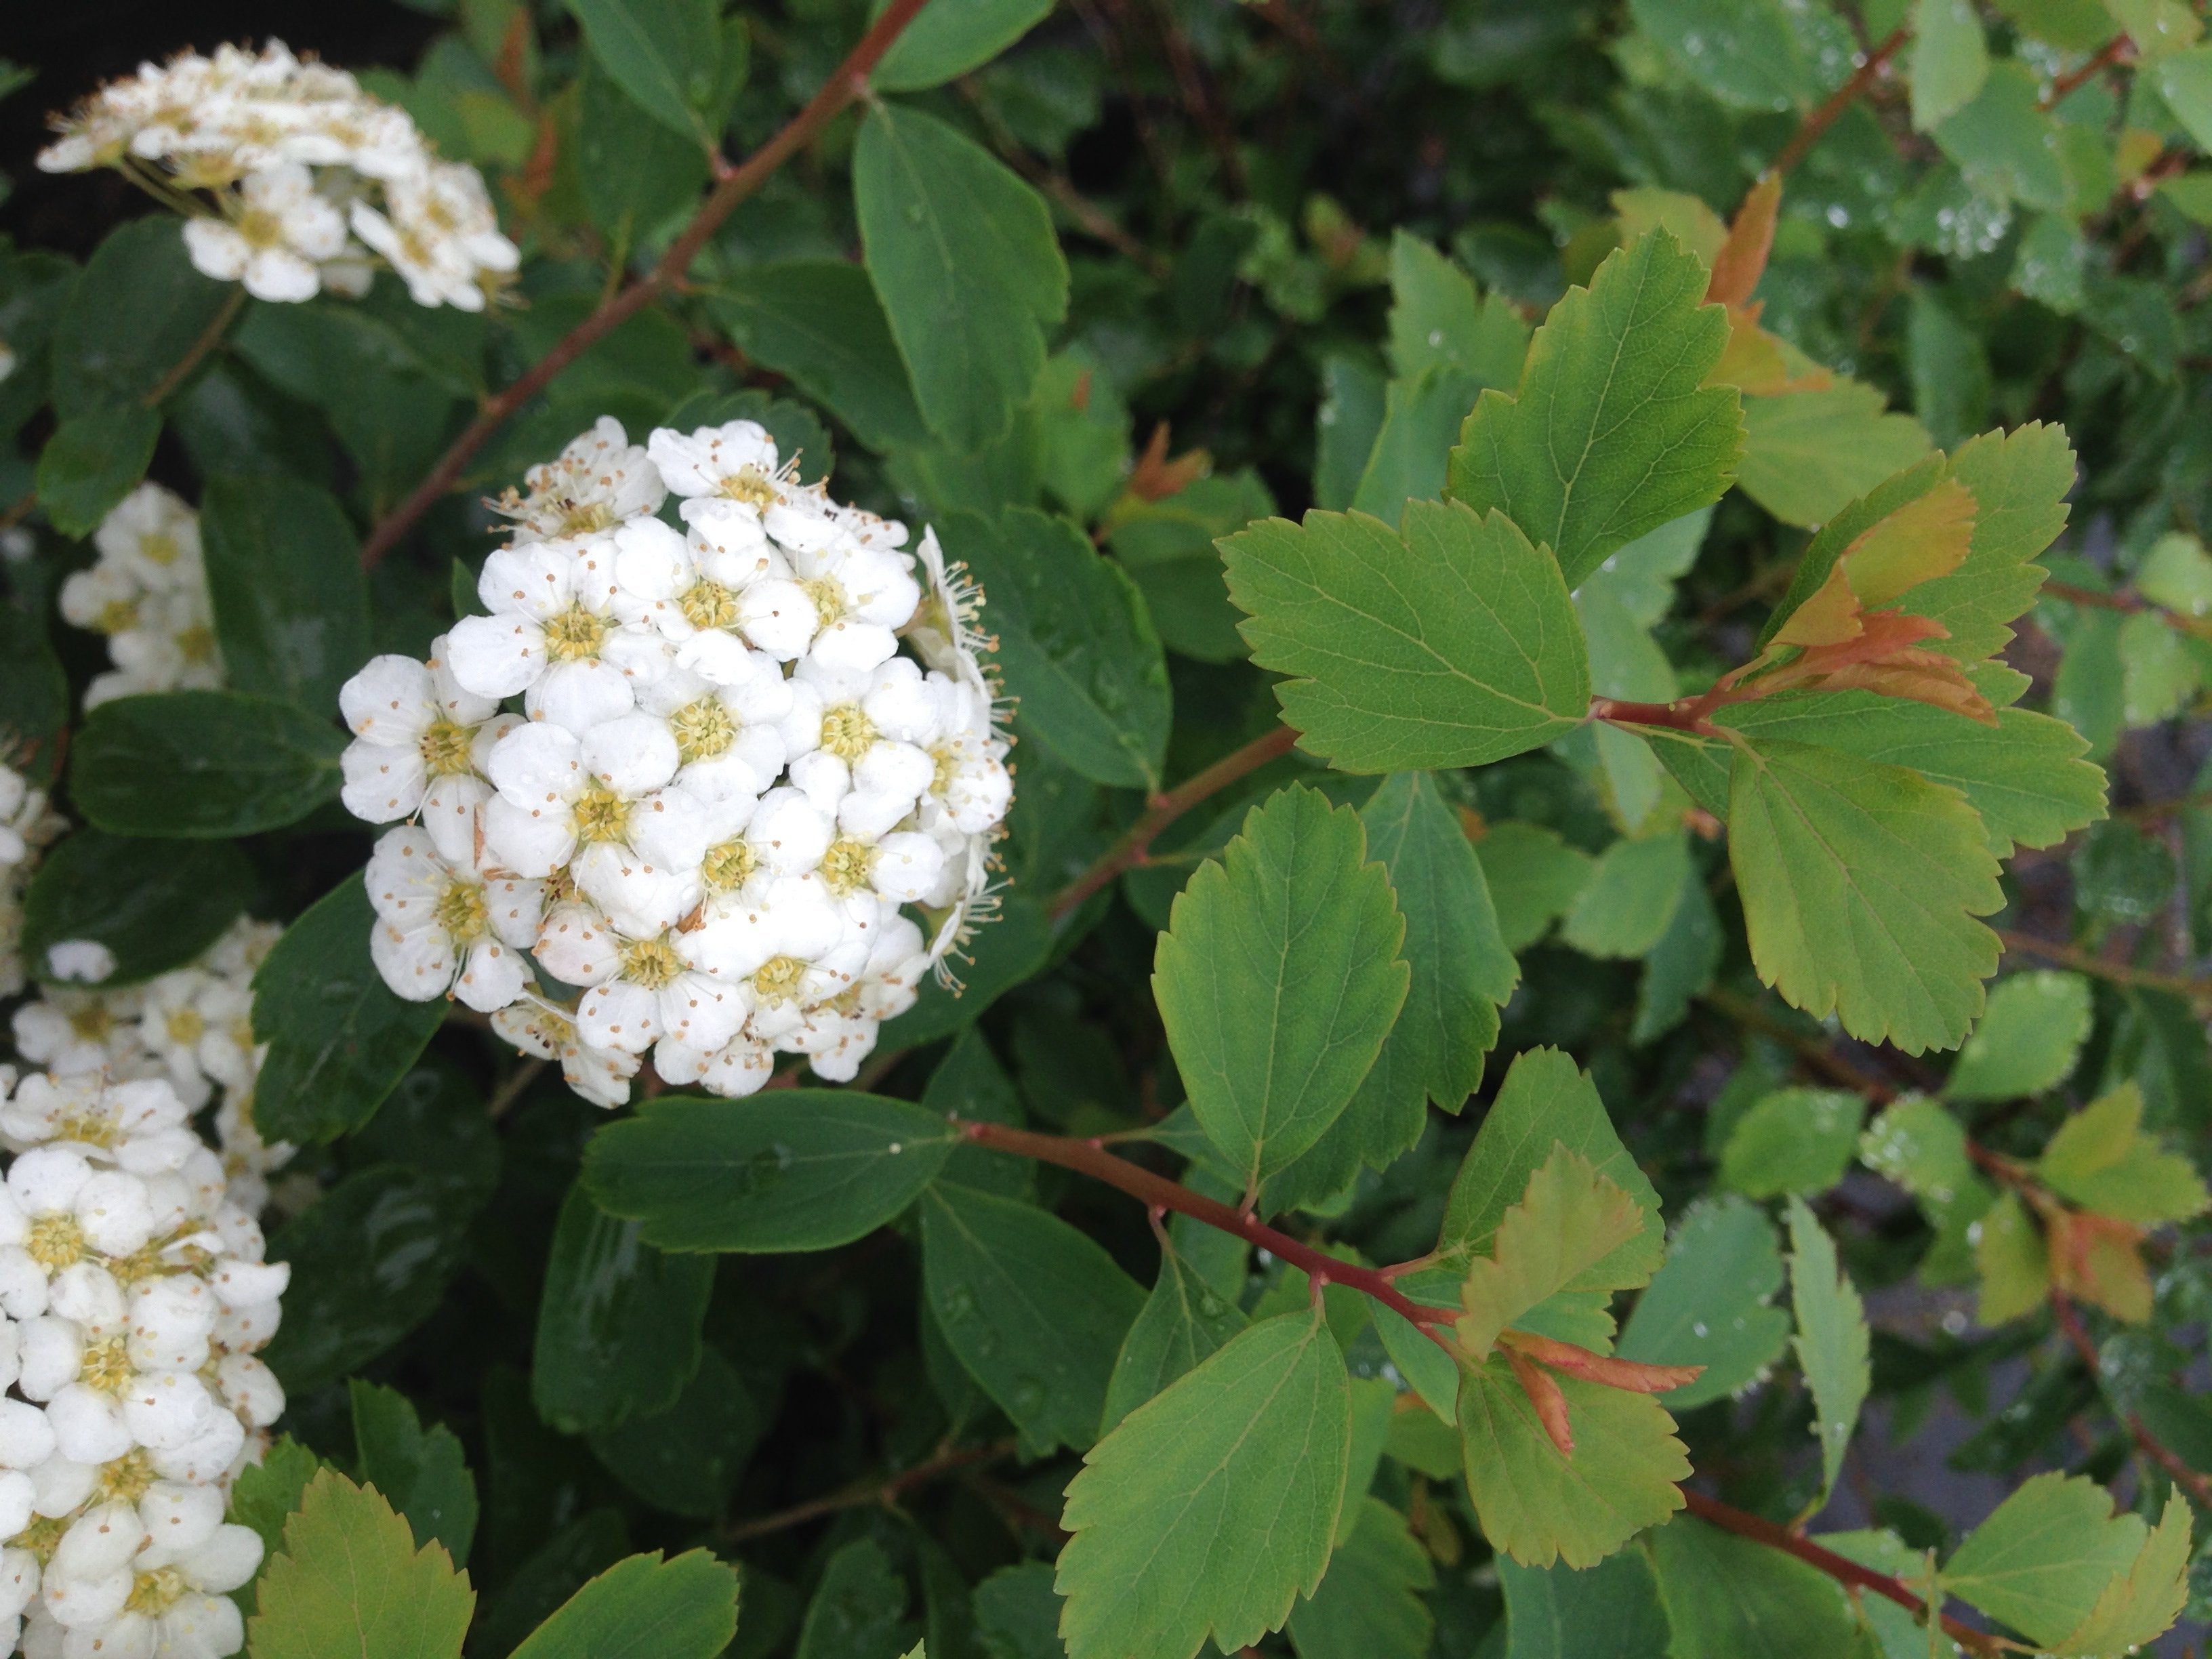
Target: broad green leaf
column 1183, row 1321
column 351, row 1581
column 1451, row 642
column 1644, row 208
column 1950, row 59
column 1754, row 54
column 2159, row 674
column 970, row 1083
column 2044, row 1558
column 338, row 1039
column 1679, row 967
column 819, row 321
column 1808, row 454
column 1018, row 1613
column 1861, row 883
column 1555, row 1613
column 1539, row 1507
column 1278, row 978
column 1710, row 1304
column 618, row 1321
column 2014, row 1264
column 2021, row 480
column 636, row 173
column 2139, row 1608
column 35, row 697
column 155, row 904
column 291, row 605
column 2005, row 142
column 2026, row 1040
column 1429, row 1370
column 666, row 54
column 1533, row 877
column 1437, row 318
column 2183, row 80
column 92, row 462
column 138, row 311
column 859, row 1609
column 1945, row 358
column 963, row 256
column 1076, row 643
column 1168, row 547
column 267, row 1491
column 1640, row 578
column 1613, row 432
column 2101, row 1160
column 1421, row 414
column 797, row 1170
column 424, row 1474
column 202, row 764
column 1730, row 1598
column 1831, row 1340
column 1632, row 895
column 1352, row 398
column 2176, row 573
column 1569, row 1219
column 1212, row 1507
column 1036, row 1310
column 1920, row 1145
column 644, row 1608
column 951, row 37
column 1794, row 1140
column 688, row 1459
column 1369, row 1605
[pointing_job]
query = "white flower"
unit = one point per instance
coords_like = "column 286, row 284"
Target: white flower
column 599, row 481
column 869, row 762
column 446, row 928
column 154, row 1579
column 279, row 232
column 152, row 537
column 69, row 1030
column 638, row 988
column 552, row 633
column 420, row 740
column 733, row 462
column 442, row 236
column 600, row 1075
column 79, row 961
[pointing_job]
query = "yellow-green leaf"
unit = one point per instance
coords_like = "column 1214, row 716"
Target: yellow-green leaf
column 351, row 1581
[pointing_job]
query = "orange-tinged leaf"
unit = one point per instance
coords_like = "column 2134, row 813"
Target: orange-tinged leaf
column 1569, row 1218
column 1925, row 538
column 1928, row 677
column 1633, row 1375
column 1759, row 365
column 1830, row 617
column 2097, row 1259
column 1155, row 477
column 1742, row 259
column 1545, row 1398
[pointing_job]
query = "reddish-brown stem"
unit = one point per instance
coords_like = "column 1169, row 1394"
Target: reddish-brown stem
column 732, row 186
column 1824, row 116
column 199, row 349
column 2093, row 598
column 1088, row 1157
column 2117, row 49
column 2198, row 1485
column 1842, row 1570
column 1137, row 840
column 2145, row 979
column 1689, row 715
column 875, row 1491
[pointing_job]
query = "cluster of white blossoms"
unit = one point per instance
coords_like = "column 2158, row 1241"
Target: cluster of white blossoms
column 724, row 782
column 294, row 179
column 147, row 594
column 27, row 823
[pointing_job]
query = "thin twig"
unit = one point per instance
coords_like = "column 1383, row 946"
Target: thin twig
column 1810, row 130
column 2198, row 1485
column 2117, row 49
column 207, row 341
column 2143, row 978
column 1812, row 1050
column 872, row 1491
column 514, row 1086
column 845, row 84
column 2130, row 602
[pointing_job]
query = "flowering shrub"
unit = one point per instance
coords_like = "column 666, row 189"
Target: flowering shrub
column 943, row 829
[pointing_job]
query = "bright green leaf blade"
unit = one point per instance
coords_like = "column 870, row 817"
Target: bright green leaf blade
column 1420, row 416
column 2005, row 142
column 91, row 463
column 2136, row 1610
column 1613, row 432
column 1861, row 883
column 951, row 37
column 2020, row 481
column 963, row 256
column 1679, row 967
column 1831, row 1340
column 1708, row 1306
column 1631, row 898
column 1437, row 318
column 424, row 1474
column 1539, row 1507
column 644, row 1608
column 1806, row 455
column 291, row 604
column 1730, row 1598
column 1555, row 1613
column 1794, row 1140
column 2044, row 1558
column 2183, row 80
column 1368, row 1606
column 797, row 1170
column 1036, row 1310
column 1570, row 1218
column 819, row 321
column 1278, row 979
column 1950, row 58
column 1182, row 1322
column 138, row 311
column 666, row 54
column 351, row 1581
column 636, row 173
column 2027, row 1040
column 202, row 764
column 1450, row 643
column 265, row 1494
column 1076, row 644
column 1354, row 395
column 1213, row 1507
column 155, row 904
column 1640, row 578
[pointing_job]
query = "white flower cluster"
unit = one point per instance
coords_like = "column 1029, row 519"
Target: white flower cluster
column 728, row 782
column 147, row 594
column 190, row 1029
column 26, row 824
column 133, row 1296
column 288, row 157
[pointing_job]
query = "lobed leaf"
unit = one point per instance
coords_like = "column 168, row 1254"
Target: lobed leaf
column 1832, row 1341
column 351, row 1581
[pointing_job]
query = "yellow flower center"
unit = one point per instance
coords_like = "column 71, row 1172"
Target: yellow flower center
column 91, row 1021
column 703, row 729
column 726, row 867
column 184, row 1026
column 196, row 644
column 709, row 604
column 600, row 814
column 584, row 518
column 444, row 746
column 749, row 483
column 128, row 1479
column 108, row 1365
column 948, row 761
column 460, row 910
column 651, row 962
column 826, row 598
column 260, row 228
column 574, row 635
column 93, row 1129
column 158, row 548
column 777, row 980
column 845, row 865
column 56, row 1243
column 42, row 1537
column 116, row 616
column 156, row 1592
column 845, row 731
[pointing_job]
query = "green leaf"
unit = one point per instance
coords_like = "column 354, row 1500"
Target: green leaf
column 2183, row 80
column 2136, row 1610
column 202, row 764
column 2026, row 1040
column 92, row 462
column 1861, row 883
column 819, row 322
column 1555, row 1613
column 291, row 605
column 1278, row 978
column 2101, row 1160
column 267, row 1491
column 2176, row 573
column 1679, row 967
column 2044, row 1558
column 1212, row 1507
column 1182, row 1322
column 963, row 256
column 797, row 1170
column 858, row 1608
column 1036, row 1311
column 1630, row 897
column 1640, row 578
column 34, row 696
column 951, row 37
column 1754, row 54
column 338, row 1039
column 1534, row 878
column 2021, row 480
column 2010, row 1256
column 1451, row 642
column 688, row 1460
column 666, row 54
column 1539, row 1507
column 138, row 311
column 636, row 175
column 1950, row 60
column 1437, row 319
column 155, row 904
column 1613, row 432
column 1075, row 643
column 1354, row 395
column 1708, row 1306
column 351, row 1581
column 1018, row 1613
column 970, row 1083
column 1920, row 1145
column 2005, row 142
column 1569, row 1221
column 1808, row 454
column 618, row 1321
column 1730, row 1598
column 1794, row 1140
column 1421, row 414
column 644, row 1608
column 423, row 1475
column 1831, row 1340
column 1369, row 1605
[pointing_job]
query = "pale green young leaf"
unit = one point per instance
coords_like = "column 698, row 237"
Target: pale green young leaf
column 1533, row 877
column 2004, row 141
column 1213, row 1507
column 1612, row 431
column 1793, row 1140
column 351, row 1581
column 1642, row 208
column 1539, row 1507
column 424, row 1474
column 1368, row 1605
column 2014, row 1264
column 666, row 54
column 1861, row 883
column 1731, row 1598
column 1436, row 317
column 1183, row 1321
column 1556, row 1613
column 948, row 37
column 2135, row 1610
column 2159, row 673
column 1831, row 1340
column 1420, row 415
column 1640, row 578
column 1568, row 1220
column 2183, row 80
column 644, row 1608
column 2176, row 573
column 2101, row 1159
column 1950, row 59
column 2021, row 480
column 1630, row 897
column 1709, row 1304
column 1809, row 454
column 1919, row 1144
column 963, row 256
column 1450, row 642
column 2026, row 1040
column 1278, row 978
column 2043, row 1558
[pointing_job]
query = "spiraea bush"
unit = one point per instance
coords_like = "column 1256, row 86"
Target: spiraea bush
column 1107, row 832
